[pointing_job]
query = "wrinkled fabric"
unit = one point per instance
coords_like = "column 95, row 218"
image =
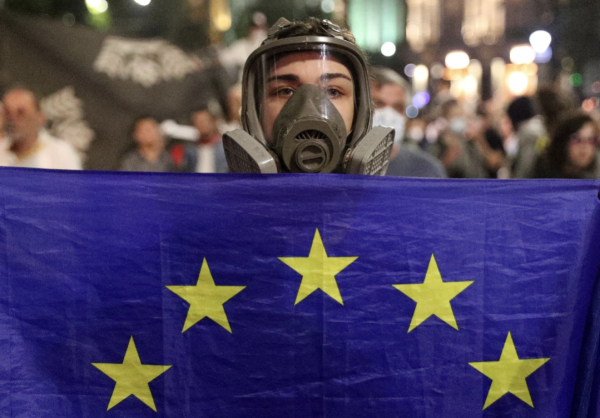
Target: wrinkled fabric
column 86, row 257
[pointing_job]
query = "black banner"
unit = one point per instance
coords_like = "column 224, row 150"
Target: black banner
column 93, row 85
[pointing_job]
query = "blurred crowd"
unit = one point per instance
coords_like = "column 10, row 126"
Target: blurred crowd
column 548, row 135
column 544, row 136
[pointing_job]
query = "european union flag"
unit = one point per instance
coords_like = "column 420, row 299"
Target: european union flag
column 221, row 296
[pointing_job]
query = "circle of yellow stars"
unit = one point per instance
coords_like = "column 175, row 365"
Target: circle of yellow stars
column 319, row 271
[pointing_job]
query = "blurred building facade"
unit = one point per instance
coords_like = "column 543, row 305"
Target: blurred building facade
column 420, row 32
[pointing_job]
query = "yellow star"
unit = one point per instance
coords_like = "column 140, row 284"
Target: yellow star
column 433, row 296
column 132, row 377
column 509, row 373
column 318, row 270
column 206, row 299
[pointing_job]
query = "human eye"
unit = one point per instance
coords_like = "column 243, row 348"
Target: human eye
column 281, row 92
column 334, row 92
column 285, row 92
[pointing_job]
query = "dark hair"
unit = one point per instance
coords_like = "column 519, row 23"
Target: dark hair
column 520, row 110
column 557, row 151
column 382, row 76
column 551, row 104
column 137, row 120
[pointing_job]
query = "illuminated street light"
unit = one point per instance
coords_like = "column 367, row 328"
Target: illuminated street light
column 522, row 54
column 457, row 60
column 388, row 49
column 102, row 6
column 143, row 2
column 540, row 40
column 518, row 83
column 420, row 78
column 96, row 6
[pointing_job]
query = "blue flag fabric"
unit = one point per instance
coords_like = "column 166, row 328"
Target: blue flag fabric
column 297, row 296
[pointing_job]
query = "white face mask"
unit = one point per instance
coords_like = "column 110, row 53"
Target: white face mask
column 388, row 116
column 458, row 126
column 416, row 134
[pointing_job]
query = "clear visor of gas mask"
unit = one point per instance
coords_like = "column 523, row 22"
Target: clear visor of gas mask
column 280, row 76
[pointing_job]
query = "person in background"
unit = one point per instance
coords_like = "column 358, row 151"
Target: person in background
column 208, row 155
column 459, row 154
column 389, row 92
column 573, row 151
column 150, row 154
column 441, row 96
column 552, row 106
column 234, row 109
column 5, row 154
column 488, row 141
column 531, row 137
column 31, row 145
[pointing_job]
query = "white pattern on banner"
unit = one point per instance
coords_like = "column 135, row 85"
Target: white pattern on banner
column 144, row 62
column 64, row 112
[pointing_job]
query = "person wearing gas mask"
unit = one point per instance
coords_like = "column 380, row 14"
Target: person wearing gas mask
column 306, row 106
column 390, row 93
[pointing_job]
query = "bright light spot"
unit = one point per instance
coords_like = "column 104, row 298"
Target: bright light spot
column 96, row 6
column 421, row 73
column 388, row 49
column 102, row 6
column 470, row 86
column 327, row 6
column 590, row 104
column 456, row 88
column 518, row 83
column 143, row 2
column 223, row 22
column 409, row 70
column 412, row 112
column 576, row 80
column 421, row 99
column 540, row 40
column 457, row 60
column 522, row 54
column 420, row 78
column 437, row 71
column 544, row 57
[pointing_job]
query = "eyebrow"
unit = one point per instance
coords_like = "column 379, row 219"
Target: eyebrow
column 296, row 79
column 330, row 76
column 284, row 77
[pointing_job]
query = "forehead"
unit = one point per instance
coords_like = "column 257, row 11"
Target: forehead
column 145, row 123
column 308, row 62
column 19, row 98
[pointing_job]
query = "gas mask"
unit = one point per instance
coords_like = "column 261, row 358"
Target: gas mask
column 306, row 108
